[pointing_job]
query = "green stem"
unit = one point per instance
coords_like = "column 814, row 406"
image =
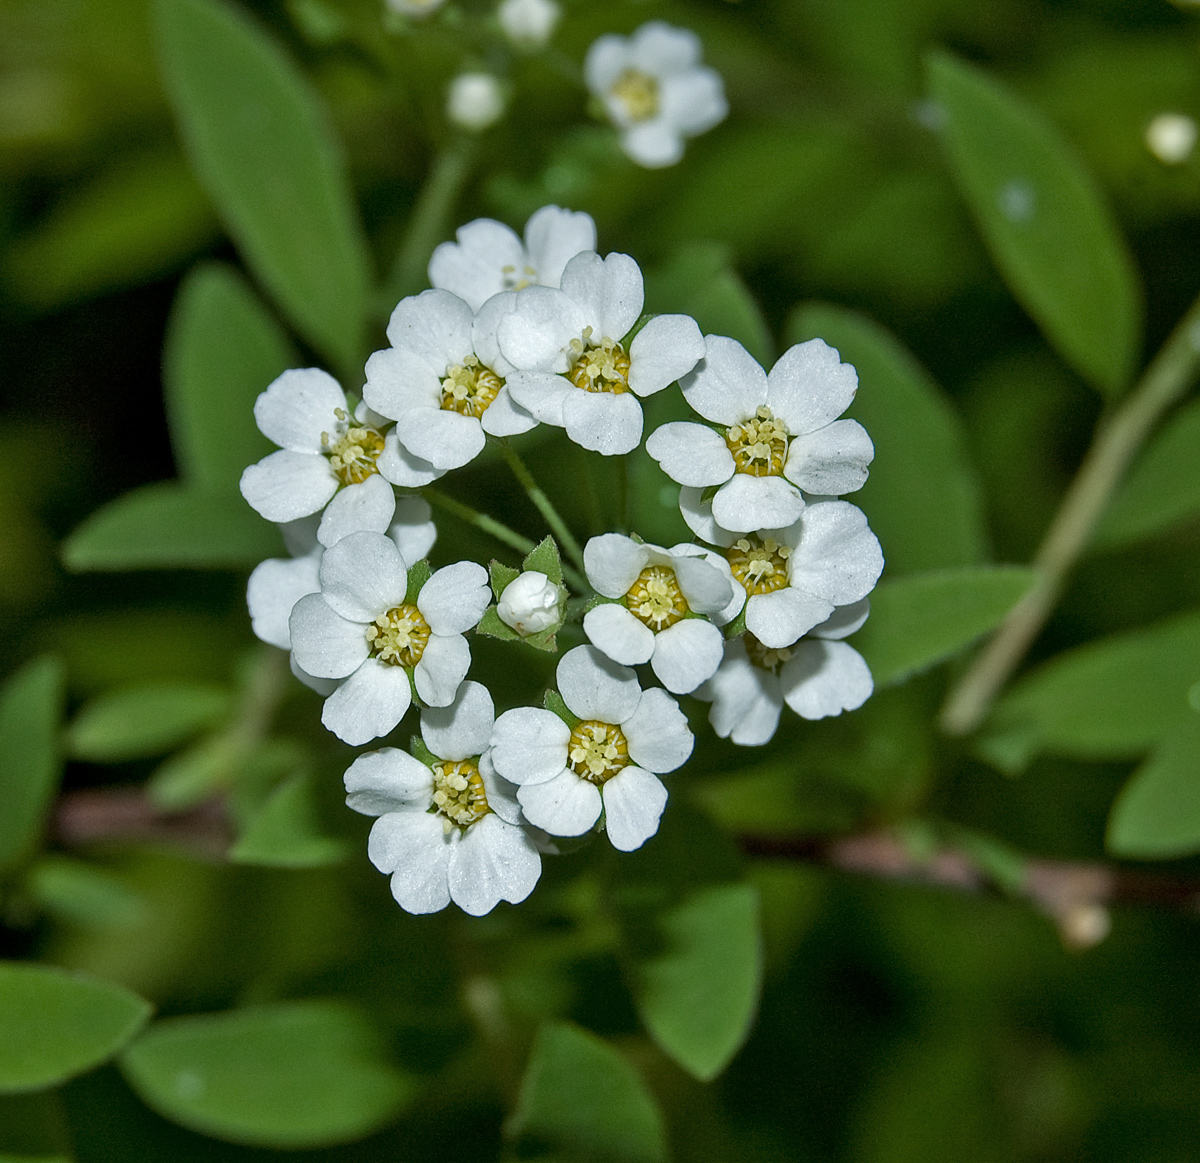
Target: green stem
column 557, row 525
column 1116, row 443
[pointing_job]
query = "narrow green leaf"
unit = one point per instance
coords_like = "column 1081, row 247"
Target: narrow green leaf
column 57, row 1025
column 291, row 1075
column 83, row 893
column 580, row 1097
column 262, row 146
column 30, row 706
column 545, row 558
column 222, row 349
column 921, row 620
column 286, row 832
column 696, row 974
column 923, row 495
column 1045, row 221
column 168, row 526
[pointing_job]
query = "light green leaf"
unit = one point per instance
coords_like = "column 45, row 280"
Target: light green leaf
column 286, row 832
column 262, row 146
column 222, row 349
column 1163, row 488
column 147, row 719
column 57, row 1025
column 190, row 777
column 1045, row 222
column 30, row 706
column 696, row 974
column 82, row 893
column 582, row 1098
column 168, row 526
column 923, row 495
column 921, row 620
column 501, row 577
column 291, row 1075
column 544, row 558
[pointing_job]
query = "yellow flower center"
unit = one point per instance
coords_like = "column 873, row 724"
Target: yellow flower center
column 400, row 636
column 759, row 564
column 598, row 367
column 655, row 599
column 469, row 387
column 597, row 751
column 518, row 280
column 458, row 794
column 353, row 455
column 759, row 445
column 638, row 93
column 765, row 657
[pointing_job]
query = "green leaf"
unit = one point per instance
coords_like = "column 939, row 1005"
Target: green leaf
column 148, row 719
column 57, row 1025
column 1163, row 488
column 923, row 494
column 168, row 526
column 30, row 706
column 580, row 1097
column 82, row 893
column 921, row 620
column 491, row 626
column 1044, row 220
column 190, row 777
column 291, row 1075
column 502, row 576
column 544, row 558
column 262, row 146
column 1157, row 814
column 286, row 832
column 222, row 349
column 696, row 974
column 1111, row 699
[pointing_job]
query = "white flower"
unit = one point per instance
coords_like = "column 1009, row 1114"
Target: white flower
column 780, row 433
column 624, row 739
column 655, row 90
column 450, row 831
column 530, row 603
column 443, row 395
column 816, row 677
column 489, row 257
column 529, row 23
column 361, row 629
column 574, row 371
column 659, row 592
column 475, row 101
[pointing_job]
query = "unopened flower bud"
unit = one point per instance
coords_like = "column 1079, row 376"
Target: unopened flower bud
column 476, row 101
column 529, row 23
column 530, row 603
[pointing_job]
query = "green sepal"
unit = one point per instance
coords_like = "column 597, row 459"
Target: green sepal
column 544, row 639
column 544, row 558
column 418, row 750
column 643, row 319
column 411, row 671
column 709, row 492
column 503, row 576
column 737, row 627
column 418, row 575
column 491, row 625
column 553, row 701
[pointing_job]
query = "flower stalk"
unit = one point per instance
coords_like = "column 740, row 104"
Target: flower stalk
column 544, row 506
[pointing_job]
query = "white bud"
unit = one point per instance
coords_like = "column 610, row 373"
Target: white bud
column 1171, row 137
column 414, row 7
column 530, row 603
column 529, row 23
column 476, row 101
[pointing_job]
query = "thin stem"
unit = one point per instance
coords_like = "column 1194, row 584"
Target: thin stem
column 1164, row 382
column 489, row 525
column 557, row 525
column 624, row 493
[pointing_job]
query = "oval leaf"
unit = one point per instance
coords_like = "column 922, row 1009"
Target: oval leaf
column 286, row 832
column 57, row 1025
column 1045, row 222
column 261, row 145
column 301, row 1074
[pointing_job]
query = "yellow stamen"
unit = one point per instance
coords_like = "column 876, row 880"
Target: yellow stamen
column 759, row 445
column 353, row 455
column 470, row 387
column 597, row 751
column 399, row 637
column 759, row 564
column 638, row 93
column 598, row 367
column 655, row 599
column 458, row 794
column 765, row 657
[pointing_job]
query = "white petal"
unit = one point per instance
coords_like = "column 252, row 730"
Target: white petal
column 609, row 291
column 412, row 531
column 541, row 394
column 386, row 780
column 419, row 850
column 362, row 576
column 287, row 485
column 698, row 515
column 443, row 666
column 745, row 699
column 493, row 862
column 399, row 466
column 564, row 806
column 612, row 563
column 693, row 101
column 398, row 381
column 455, row 597
column 838, row 556
column 778, row 619
column 612, row 628
column 529, row 745
column 535, row 334
column 761, row 720
column 653, row 144
column 668, row 347
column 274, row 588
column 728, row 385
column 369, row 704
column 505, row 417
column 444, row 438
column 825, row 678
column 809, row 386
column 323, row 686
column 687, row 654
column 844, row 620
column 368, row 506
column 501, row 795
column 746, row 503
column 658, row 734
column 706, row 586
column 298, row 407
column 554, row 236
column 692, row 454
column 398, row 834
column 603, row 422
column 473, row 268
column 831, row 461
column 483, row 332
column 464, row 728
column 300, row 536
column 435, row 325
column 633, row 804
column 595, row 687
column 605, row 61
column 325, row 644
column 660, row 49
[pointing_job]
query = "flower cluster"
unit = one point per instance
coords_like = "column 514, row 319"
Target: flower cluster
column 516, row 332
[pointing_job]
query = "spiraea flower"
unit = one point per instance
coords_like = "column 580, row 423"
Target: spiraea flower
column 608, row 760
column 529, row 24
column 775, row 433
column 449, row 829
column 488, row 257
column 655, row 90
column 817, row 677
column 574, row 367
column 475, row 101
column 531, row 603
column 659, row 597
column 365, row 628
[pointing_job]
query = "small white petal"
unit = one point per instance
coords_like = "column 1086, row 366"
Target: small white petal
column 653, row 144
column 288, row 485
column 658, row 734
column 746, row 700
column 612, row 563
column 608, row 290
column 595, row 687
column 398, row 465
column 387, row 780
column 825, row 678
column 837, row 556
column 473, row 268
column 687, row 654
column 455, row 597
column 369, row 704
column 325, row 644
column 844, row 620
column 693, row 101
column 698, row 515
column 554, row 236
column 535, row 334
column 501, row 795
column 831, row 461
column 300, row 536
column 706, row 586
column 464, row 728
column 362, row 576
column 368, row 506
column 809, row 386
column 692, row 454
column 633, row 805
column 434, row 325
column 529, row 745
column 415, row 846
column 668, row 347
column 494, row 862
column 274, row 588
column 298, row 407
column 412, row 530
column 323, row 686
column 399, row 381
column 444, row 438
column 541, row 394
column 603, row 422
column 728, row 385
column 443, row 666
column 612, row 628
column 564, row 806
column 660, row 49
column 746, row 503
column 505, row 417
column 604, row 63
column 778, row 619
column 483, row 332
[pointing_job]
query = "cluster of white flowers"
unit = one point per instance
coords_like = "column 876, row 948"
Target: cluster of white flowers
column 541, row 329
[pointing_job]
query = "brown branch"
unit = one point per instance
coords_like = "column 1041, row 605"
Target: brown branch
column 126, row 815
